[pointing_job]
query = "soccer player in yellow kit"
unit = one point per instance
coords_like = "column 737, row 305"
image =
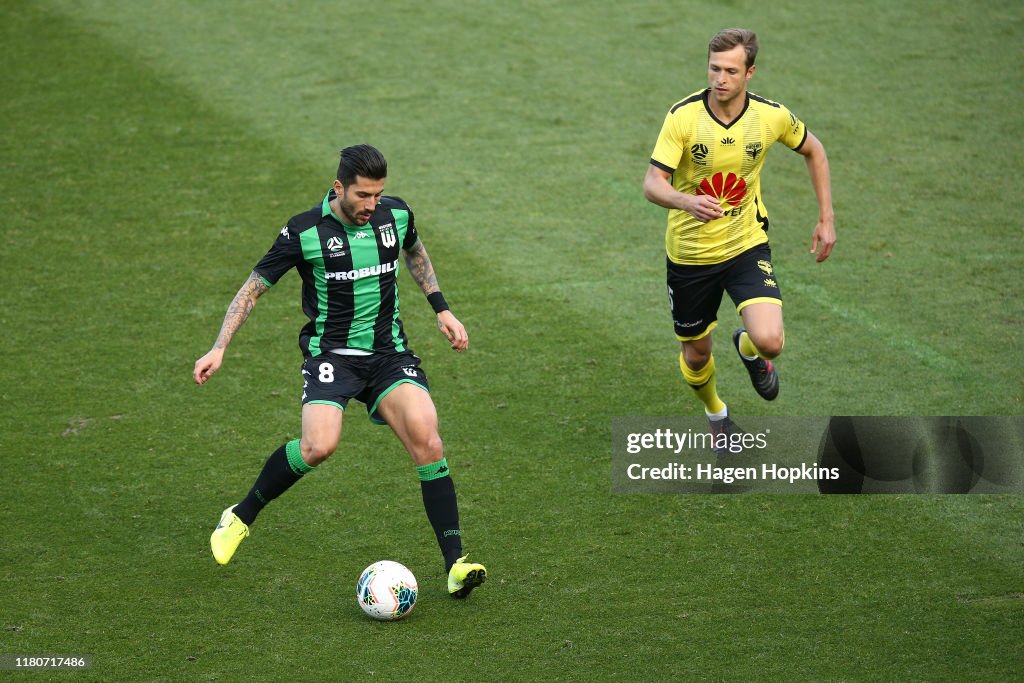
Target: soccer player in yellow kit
column 706, row 170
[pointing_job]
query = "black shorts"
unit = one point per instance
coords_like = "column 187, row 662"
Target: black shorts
column 695, row 292
column 334, row 379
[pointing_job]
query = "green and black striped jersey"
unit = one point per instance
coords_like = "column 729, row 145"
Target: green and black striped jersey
column 349, row 276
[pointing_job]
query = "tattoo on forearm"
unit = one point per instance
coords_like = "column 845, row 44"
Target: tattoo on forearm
column 421, row 270
column 239, row 309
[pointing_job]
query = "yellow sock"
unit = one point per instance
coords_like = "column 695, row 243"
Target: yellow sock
column 747, row 347
column 703, row 382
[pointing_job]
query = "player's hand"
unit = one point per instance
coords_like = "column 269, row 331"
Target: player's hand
column 453, row 330
column 703, row 207
column 825, row 237
column 207, row 365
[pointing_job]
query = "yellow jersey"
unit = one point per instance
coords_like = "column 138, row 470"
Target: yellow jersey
column 706, row 156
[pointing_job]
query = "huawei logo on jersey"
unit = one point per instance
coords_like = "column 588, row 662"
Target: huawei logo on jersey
column 730, row 188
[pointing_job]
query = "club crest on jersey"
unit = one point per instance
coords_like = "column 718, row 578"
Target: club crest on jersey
column 752, row 149
column 387, row 235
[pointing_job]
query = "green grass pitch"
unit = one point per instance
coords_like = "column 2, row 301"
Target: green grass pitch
column 150, row 153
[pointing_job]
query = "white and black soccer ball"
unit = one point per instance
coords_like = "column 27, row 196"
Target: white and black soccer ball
column 386, row 590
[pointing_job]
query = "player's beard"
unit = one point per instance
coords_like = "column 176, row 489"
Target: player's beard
column 353, row 218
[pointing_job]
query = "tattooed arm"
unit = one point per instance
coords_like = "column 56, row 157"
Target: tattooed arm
column 237, row 314
column 422, row 271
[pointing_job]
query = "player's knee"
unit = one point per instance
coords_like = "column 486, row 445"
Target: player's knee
column 315, row 451
column 695, row 358
column 769, row 345
column 433, row 448
column 429, row 450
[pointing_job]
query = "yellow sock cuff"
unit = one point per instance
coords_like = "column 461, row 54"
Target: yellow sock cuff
column 703, row 384
column 747, row 347
column 696, row 378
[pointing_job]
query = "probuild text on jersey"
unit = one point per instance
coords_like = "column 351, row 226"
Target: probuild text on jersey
column 346, row 275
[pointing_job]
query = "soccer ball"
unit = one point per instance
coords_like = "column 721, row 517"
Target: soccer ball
column 386, row 590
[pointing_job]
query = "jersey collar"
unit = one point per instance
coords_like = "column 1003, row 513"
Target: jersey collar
column 707, row 106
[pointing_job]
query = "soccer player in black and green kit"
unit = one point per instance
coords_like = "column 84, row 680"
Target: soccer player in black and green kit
column 346, row 250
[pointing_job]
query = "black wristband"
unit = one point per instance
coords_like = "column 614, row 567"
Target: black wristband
column 437, row 301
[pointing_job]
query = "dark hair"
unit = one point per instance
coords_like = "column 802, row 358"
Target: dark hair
column 361, row 160
column 728, row 38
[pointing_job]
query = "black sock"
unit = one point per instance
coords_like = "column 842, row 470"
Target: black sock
column 442, row 508
column 282, row 469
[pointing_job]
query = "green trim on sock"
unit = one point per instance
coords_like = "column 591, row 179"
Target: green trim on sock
column 434, row 470
column 295, row 461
